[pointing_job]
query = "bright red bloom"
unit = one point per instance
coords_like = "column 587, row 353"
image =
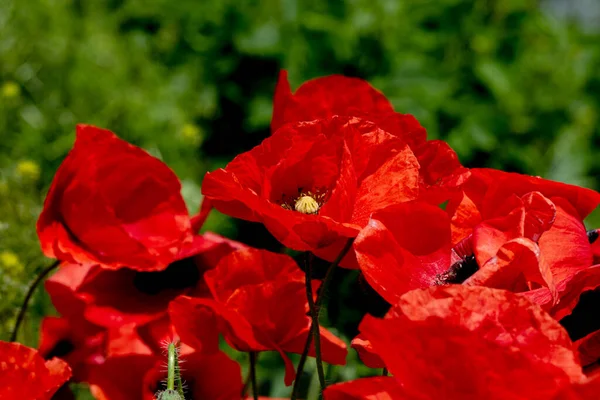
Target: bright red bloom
column 112, row 298
column 325, row 97
column 207, row 376
column 259, row 303
column 314, row 184
column 564, row 254
column 24, row 374
column 404, row 247
column 468, row 342
column 76, row 341
column 338, row 153
column 112, row 203
column 509, row 232
column 134, row 372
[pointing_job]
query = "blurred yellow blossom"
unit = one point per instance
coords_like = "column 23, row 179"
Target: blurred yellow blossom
column 29, row 170
column 10, row 89
column 191, row 134
column 10, row 261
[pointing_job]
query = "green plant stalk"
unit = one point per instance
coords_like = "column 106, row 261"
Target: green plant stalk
column 314, row 314
column 30, row 291
column 172, row 360
column 174, row 381
column 315, row 307
column 253, row 357
column 178, row 381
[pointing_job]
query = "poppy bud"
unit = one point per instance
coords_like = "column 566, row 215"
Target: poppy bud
column 168, row 395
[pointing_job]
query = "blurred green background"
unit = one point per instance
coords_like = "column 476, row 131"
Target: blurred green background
column 511, row 84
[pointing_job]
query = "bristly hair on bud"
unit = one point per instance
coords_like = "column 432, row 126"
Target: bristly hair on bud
column 168, row 395
column 174, row 389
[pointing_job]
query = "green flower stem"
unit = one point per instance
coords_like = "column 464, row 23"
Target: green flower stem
column 315, row 308
column 314, row 314
column 253, row 357
column 172, row 360
column 30, row 291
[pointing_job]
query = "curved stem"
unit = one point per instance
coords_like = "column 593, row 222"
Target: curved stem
column 315, row 308
column 30, row 291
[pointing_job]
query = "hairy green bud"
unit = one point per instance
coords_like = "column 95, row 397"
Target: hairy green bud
column 169, row 394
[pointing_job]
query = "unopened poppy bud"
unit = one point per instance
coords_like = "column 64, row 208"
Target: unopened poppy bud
column 306, row 205
column 169, row 395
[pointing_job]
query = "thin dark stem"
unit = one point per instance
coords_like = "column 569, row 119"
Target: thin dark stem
column 30, row 291
column 329, row 273
column 314, row 315
column 253, row 357
column 384, row 372
column 315, row 312
column 251, row 377
column 301, row 363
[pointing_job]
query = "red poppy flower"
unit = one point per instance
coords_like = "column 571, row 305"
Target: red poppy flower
column 259, row 303
column 395, row 258
column 76, row 341
column 521, row 241
column 468, row 342
column 315, row 184
column 325, row 97
column 140, row 377
column 206, row 376
column 24, row 374
column 112, row 298
column 114, row 204
column 134, row 372
column 487, row 190
column 564, row 246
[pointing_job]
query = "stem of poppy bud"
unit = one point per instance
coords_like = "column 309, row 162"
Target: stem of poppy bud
column 174, row 382
column 171, row 366
column 384, row 372
column 30, row 291
column 315, row 308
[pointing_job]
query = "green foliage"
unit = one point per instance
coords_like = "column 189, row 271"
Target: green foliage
column 507, row 84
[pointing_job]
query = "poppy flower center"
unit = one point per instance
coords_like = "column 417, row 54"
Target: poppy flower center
column 305, row 202
column 458, row 272
column 306, row 205
column 178, row 275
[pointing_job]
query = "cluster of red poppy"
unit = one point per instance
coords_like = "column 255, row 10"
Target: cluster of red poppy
column 483, row 269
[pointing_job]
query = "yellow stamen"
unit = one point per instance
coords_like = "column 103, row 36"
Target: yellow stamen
column 306, row 205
